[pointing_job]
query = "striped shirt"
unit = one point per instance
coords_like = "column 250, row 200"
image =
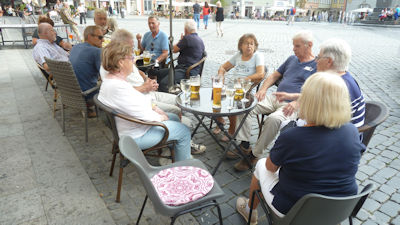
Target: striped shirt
column 44, row 48
column 357, row 100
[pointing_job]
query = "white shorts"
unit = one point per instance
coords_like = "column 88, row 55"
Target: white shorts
column 267, row 181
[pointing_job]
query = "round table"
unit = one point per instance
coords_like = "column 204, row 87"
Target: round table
column 202, row 107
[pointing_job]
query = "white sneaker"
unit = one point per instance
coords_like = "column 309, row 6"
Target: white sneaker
column 197, row 149
column 241, row 208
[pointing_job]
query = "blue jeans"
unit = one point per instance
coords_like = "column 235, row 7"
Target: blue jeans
column 177, row 131
column 196, row 18
column 205, row 20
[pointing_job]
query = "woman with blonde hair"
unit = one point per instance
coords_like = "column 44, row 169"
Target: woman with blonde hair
column 117, row 93
column 321, row 157
column 219, row 18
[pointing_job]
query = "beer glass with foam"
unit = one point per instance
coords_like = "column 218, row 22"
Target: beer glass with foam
column 217, row 89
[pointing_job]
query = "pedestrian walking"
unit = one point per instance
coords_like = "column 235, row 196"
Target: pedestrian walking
column 219, row 17
column 196, row 13
column 291, row 16
column 110, row 10
column 206, row 13
column 82, row 13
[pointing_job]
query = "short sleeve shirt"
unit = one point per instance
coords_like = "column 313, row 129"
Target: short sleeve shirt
column 155, row 45
column 44, row 48
column 356, row 99
column 86, row 61
column 191, row 49
column 294, row 74
column 315, row 160
column 246, row 68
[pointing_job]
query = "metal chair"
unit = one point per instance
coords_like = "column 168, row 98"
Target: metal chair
column 375, row 114
column 70, row 91
column 110, row 123
column 145, row 171
column 316, row 209
column 49, row 80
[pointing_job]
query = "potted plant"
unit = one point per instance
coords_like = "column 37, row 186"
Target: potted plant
column 90, row 12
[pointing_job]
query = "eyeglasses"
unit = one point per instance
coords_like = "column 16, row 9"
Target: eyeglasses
column 100, row 37
column 320, row 57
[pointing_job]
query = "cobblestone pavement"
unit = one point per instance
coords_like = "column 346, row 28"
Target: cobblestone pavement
column 375, row 65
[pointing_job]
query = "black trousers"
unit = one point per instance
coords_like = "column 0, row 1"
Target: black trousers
column 82, row 16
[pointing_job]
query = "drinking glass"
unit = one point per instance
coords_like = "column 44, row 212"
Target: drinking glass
column 237, row 84
column 185, row 87
column 246, row 84
column 217, row 91
column 230, row 93
column 137, row 51
column 146, row 58
column 195, row 84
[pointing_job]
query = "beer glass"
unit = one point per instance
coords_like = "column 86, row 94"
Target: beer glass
column 137, row 51
column 246, row 84
column 217, row 89
column 230, row 93
column 195, row 84
column 238, row 89
column 146, row 58
column 185, row 87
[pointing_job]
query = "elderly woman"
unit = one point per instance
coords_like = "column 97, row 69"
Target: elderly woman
column 59, row 40
column 321, row 157
column 248, row 64
column 118, row 94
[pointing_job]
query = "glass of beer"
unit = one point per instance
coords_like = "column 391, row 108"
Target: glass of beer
column 217, row 89
column 246, row 84
column 137, row 51
column 237, row 83
column 185, row 87
column 195, row 84
column 146, row 58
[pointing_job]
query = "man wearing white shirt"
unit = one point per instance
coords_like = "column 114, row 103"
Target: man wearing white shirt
column 82, row 13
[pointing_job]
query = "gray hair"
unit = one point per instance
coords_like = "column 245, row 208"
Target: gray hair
column 218, row 4
column 190, row 26
column 339, row 51
column 153, row 17
column 100, row 12
column 121, row 35
column 305, row 35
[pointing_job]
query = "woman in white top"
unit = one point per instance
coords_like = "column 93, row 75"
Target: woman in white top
column 118, row 94
column 247, row 63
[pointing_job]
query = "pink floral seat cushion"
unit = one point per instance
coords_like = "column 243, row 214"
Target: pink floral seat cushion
column 180, row 185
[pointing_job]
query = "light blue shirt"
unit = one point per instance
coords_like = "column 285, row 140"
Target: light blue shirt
column 155, row 45
column 44, row 48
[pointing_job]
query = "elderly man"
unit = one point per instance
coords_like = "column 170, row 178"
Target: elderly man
column 66, row 17
column 293, row 72
column 47, row 47
column 191, row 50
column 100, row 19
column 147, row 86
column 154, row 41
column 335, row 55
column 86, row 61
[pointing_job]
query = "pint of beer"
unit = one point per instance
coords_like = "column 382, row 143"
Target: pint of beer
column 217, row 89
column 137, row 52
column 195, row 84
column 238, row 92
column 146, row 58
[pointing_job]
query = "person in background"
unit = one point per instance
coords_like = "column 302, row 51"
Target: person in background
column 58, row 6
column 110, row 10
column 206, row 13
column 117, row 93
column 86, row 61
column 100, row 19
column 82, row 13
column 59, row 40
column 196, row 13
column 67, row 19
column 321, row 157
column 219, row 18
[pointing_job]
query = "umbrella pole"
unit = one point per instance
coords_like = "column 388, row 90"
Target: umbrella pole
column 171, row 72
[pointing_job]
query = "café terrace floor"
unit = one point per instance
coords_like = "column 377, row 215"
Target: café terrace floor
column 50, row 178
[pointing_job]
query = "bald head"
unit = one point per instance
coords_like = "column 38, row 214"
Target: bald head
column 46, row 31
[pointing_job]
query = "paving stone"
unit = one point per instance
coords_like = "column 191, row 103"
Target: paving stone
column 377, row 164
column 387, row 189
column 371, row 205
column 396, row 197
column 369, row 170
column 363, row 214
column 394, row 182
column 207, row 218
column 379, row 196
column 226, row 210
column 240, row 186
column 380, row 217
column 390, row 208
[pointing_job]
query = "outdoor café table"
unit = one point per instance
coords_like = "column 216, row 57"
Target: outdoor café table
column 202, row 108
column 144, row 68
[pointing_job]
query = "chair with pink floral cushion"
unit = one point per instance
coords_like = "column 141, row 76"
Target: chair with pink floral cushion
column 175, row 189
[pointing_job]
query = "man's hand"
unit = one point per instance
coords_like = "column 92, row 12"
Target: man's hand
column 290, row 108
column 154, row 84
column 138, row 37
column 260, row 95
column 284, row 96
column 162, row 113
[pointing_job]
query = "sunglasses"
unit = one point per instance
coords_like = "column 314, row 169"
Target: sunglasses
column 100, row 37
column 152, row 46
